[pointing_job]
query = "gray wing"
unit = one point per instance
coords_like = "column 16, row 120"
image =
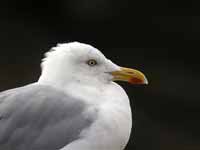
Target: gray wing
column 37, row 117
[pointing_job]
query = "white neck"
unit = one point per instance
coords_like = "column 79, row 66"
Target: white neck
column 75, row 87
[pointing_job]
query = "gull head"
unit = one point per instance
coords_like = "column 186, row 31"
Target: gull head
column 84, row 64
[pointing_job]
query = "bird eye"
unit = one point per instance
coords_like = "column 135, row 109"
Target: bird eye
column 92, row 62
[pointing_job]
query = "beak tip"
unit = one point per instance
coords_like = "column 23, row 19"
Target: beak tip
column 146, row 81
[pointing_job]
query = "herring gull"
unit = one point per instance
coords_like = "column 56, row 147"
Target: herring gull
column 75, row 105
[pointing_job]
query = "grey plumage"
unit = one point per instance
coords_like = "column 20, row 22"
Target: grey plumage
column 38, row 117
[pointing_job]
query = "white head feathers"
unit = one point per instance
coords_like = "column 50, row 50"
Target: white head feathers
column 63, row 49
column 69, row 62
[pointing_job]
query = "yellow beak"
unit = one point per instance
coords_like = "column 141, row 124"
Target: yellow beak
column 129, row 75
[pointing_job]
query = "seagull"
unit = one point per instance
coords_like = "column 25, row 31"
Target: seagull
column 75, row 104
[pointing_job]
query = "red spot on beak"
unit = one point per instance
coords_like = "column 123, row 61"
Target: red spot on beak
column 136, row 81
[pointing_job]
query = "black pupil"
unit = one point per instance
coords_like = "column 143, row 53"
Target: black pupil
column 92, row 62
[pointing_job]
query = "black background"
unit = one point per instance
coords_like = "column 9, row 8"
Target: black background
column 160, row 38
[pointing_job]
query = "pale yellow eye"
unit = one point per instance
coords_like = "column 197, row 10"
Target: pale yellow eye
column 92, row 62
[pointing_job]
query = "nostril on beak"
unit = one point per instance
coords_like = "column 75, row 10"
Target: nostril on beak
column 131, row 73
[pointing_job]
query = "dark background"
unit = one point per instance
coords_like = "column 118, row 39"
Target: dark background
column 160, row 38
